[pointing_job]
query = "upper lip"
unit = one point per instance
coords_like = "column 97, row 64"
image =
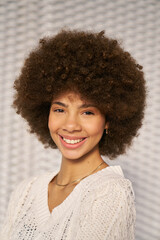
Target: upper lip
column 71, row 137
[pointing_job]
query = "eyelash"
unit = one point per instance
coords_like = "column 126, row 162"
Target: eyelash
column 58, row 110
column 90, row 113
column 61, row 111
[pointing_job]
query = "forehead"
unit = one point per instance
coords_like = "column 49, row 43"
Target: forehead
column 72, row 97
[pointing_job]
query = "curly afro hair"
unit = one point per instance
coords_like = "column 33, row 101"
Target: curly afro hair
column 94, row 66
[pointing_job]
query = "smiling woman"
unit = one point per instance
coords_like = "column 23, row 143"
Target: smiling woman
column 82, row 93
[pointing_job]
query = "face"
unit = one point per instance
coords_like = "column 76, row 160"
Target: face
column 76, row 126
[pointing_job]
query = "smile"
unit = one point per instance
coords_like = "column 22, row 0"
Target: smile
column 72, row 143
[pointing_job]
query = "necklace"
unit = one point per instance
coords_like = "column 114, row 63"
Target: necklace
column 77, row 180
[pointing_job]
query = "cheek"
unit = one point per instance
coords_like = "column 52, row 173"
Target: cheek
column 96, row 127
column 54, row 123
column 51, row 123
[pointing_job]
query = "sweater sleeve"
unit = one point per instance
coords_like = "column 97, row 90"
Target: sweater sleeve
column 15, row 201
column 110, row 215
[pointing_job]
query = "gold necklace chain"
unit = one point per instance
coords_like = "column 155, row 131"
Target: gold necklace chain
column 79, row 178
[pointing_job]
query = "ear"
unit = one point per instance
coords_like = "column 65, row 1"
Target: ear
column 106, row 125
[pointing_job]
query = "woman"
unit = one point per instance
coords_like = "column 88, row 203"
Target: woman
column 82, row 93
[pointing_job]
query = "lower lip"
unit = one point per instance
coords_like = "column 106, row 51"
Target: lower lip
column 72, row 146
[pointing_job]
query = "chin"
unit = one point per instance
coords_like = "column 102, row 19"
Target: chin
column 76, row 156
column 72, row 157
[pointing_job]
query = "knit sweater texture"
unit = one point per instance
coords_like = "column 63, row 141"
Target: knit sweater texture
column 100, row 207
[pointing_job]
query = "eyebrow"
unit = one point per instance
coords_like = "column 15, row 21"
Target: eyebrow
column 82, row 106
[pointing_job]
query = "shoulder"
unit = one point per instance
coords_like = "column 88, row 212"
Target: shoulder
column 121, row 189
column 117, row 181
column 110, row 196
column 22, row 187
column 111, row 180
column 117, row 186
column 109, row 186
column 108, row 204
column 26, row 185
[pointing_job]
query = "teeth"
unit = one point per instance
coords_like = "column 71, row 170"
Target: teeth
column 72, row 141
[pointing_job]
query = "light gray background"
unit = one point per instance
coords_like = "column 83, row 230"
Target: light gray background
column 136, row 24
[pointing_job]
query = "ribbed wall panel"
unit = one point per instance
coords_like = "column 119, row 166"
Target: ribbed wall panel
column 135, row 23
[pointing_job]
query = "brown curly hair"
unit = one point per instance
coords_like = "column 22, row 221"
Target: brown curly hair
column 92, row 65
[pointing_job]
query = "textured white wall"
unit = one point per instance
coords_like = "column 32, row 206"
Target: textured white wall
column 136, row 23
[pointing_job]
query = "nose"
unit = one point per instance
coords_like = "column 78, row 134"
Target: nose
column 72, row 123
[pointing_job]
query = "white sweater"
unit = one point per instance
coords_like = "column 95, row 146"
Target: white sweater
column 100, row 207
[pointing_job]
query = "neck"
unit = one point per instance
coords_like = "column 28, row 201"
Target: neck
column 71, row 170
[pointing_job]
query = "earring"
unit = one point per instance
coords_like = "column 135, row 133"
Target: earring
column 106, row 131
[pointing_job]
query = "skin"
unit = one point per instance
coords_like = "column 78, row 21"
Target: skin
column 69, row 118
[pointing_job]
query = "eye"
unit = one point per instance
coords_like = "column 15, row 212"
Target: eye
column 58, row 110
column 88, row 113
